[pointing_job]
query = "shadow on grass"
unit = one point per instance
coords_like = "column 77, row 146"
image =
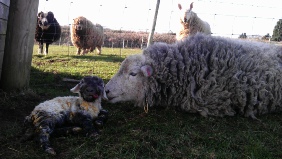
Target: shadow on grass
column 103, row 57
column 132, row 133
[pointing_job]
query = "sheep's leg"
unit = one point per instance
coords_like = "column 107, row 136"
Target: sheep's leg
column 46, row 49
column 78, row 51
column 86, row 122
column 40, row 48
column 99, row 50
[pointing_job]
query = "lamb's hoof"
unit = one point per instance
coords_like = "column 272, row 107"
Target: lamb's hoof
column 93, row 135
column 104, row 111
column 99, row 124
column 76, row 130
column 103, row 115
column 50, row 151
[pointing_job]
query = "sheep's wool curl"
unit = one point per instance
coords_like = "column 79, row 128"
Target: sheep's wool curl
column 209, row 75
column 90, row 37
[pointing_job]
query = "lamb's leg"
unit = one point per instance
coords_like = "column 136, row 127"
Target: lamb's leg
column 64, row 131
column 40, row 48
column 86, row 122
column 46, row 49
column 72, row 130
column 102, row 118
column 45, row 128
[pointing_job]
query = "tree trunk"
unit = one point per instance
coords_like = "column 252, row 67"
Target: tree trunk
column 151, row 35
column 19, row 45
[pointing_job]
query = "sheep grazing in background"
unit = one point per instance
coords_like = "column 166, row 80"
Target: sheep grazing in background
column 52, row 116
column 48, row 30
column 191, row 23
column 203, row 74
column 86, row 36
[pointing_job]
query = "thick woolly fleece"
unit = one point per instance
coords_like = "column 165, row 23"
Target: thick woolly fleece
column 88, row 36
column 50, row 35
column 209, row 75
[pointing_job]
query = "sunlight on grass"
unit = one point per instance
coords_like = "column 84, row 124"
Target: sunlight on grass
column 63, row 60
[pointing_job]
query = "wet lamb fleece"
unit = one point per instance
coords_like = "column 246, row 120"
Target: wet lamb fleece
column 203, row 74
column 67, row 115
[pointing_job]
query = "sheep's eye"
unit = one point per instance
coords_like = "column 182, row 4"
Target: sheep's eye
column 132, row 74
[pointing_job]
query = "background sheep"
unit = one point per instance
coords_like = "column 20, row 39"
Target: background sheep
column 86, row 36
column 48, row 30
column 191, row 23
column 48, row 117
column 209, row 75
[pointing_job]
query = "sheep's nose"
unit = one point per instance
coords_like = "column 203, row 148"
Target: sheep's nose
column 89, row 90
column 107, row 91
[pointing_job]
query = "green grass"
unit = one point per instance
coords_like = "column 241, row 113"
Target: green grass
column 130, row 132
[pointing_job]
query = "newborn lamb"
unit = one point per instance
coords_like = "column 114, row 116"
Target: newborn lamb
column 52, row 116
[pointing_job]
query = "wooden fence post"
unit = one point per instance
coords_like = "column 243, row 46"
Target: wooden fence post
column 4, row 7
column 19, row 45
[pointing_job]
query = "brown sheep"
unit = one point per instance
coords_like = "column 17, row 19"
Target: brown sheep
column 86, row 36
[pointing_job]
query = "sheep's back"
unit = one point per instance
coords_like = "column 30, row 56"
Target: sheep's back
column 52, row 34
column 216, row 76
column 58, row 105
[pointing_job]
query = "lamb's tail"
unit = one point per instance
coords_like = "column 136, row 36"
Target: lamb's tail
column 28, row 129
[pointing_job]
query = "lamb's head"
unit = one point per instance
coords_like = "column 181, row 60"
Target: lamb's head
column 90, row 88
column 130, row 82
column 80, row 23
column 185, row 14
column 44, row 20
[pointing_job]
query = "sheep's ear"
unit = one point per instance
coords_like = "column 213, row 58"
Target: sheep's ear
column 104, row 94
column 191, row 6
column 75, row 89
column 147, row 70
column 179, row 6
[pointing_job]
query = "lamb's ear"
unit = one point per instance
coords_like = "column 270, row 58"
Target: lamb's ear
column 191, row 6
column 147, row 70
column 75, row 89
column 179, row 6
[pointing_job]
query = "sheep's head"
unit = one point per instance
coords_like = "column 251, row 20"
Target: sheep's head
column 90, row 88
column 80, row 23
column 130, row 82
column 44, row 20
column 185, row 14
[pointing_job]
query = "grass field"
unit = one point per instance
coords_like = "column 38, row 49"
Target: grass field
column 129, row 132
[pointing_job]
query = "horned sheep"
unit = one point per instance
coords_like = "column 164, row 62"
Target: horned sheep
column 190, row 23
column 69, row 115
column 47, row 31
column 86, row 36
column 203, row 74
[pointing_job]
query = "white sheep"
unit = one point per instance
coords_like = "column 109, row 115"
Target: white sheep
column 86, row 36
column 80, row 112
column 191, row 23
column 203, row 74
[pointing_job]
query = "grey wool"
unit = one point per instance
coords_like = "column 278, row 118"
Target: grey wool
column 208, row 75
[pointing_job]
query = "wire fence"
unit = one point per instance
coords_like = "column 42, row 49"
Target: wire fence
column 119, row 42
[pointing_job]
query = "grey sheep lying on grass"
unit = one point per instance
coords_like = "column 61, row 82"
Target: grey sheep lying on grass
column 203, row 74
column 53, row 116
